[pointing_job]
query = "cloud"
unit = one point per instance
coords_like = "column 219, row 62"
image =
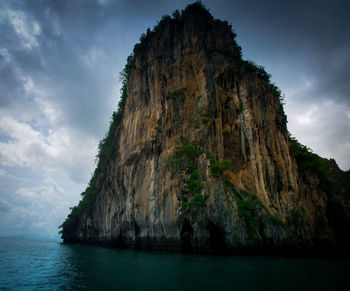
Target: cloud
column 329, row 118
column 38, row 209
column 27, row 147
column 5, row 206
column 26, row 30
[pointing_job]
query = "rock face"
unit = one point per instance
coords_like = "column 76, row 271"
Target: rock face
column 201, row 158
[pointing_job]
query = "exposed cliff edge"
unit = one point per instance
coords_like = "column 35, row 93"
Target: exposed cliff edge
column 198, row 156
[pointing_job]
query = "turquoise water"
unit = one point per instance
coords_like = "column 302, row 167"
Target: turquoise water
column 34, row 264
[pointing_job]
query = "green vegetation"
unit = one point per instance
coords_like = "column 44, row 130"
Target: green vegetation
column 195, row 203
column 158, row 128
column 108, row 144
column 191, row 151
column 309, row 162
column 258, row 70
column 251, row 208
column 124, row 77
column 217, row 168
column 200, row 15
column 175, row 95
column 264, row 76
column 177, row 18
column 275, row 220
column 248, row 210
column 234, row 52
column 246, row 194
column 248, row 206
column 193, row 183
column 251, row 67
column 227, row 52
column 106, row 148
column 185, row 157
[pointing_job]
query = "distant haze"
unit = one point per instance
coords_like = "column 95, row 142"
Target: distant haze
column 59, row 84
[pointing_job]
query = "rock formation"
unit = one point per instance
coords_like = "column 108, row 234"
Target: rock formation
column 198, row 156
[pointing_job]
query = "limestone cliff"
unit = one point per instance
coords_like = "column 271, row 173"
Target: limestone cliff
column 198, row 157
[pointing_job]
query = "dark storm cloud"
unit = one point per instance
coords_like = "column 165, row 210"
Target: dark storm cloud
column 314, row 25
column 317, row 32
column 14, row 59
column 55, row 60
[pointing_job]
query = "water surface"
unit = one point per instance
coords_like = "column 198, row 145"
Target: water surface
column 32, row 264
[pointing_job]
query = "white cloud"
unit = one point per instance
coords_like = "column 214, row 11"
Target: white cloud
column 25, row 29
column 324, row 127
column 308, row 117
column 26, row 193
column 5, row 56
column 40, row 140
column 28, row 147
column 48, row 109
column 47, row 190
column 38, row 209
column 92, row 56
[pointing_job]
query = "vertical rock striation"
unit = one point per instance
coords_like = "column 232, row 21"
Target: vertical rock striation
column 199, row 156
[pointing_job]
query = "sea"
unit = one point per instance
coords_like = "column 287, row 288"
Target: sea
column 38, row 264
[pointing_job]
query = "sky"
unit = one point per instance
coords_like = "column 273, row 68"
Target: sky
column 59, row 84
